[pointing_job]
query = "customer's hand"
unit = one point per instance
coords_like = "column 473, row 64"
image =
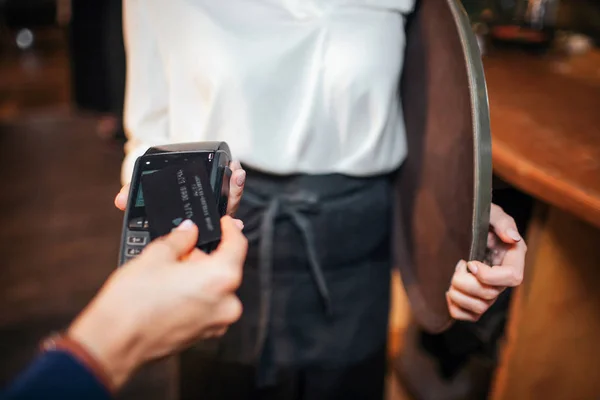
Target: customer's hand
column 171, row 295
column 236, row 188
column 472, row 294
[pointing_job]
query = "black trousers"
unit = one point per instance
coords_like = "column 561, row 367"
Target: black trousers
column 315, row 294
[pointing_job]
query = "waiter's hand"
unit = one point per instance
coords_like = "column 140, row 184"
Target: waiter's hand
column 171, row 295
column 471, row 294
column 236, row 188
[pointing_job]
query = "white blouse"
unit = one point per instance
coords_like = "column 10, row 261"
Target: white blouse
column 293, row 86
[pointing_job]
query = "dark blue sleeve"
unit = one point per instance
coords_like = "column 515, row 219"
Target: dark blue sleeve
column 56, row 375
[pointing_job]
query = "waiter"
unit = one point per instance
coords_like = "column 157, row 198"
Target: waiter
column 305, row 93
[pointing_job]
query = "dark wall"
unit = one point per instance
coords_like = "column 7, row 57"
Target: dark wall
column 581, row 16
column 28, row 13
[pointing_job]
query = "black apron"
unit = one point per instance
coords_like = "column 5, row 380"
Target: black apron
column 316, row 288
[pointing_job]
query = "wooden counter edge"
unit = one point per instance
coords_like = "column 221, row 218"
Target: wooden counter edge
column 529, row 178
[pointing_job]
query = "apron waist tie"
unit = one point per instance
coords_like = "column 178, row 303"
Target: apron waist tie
column 295, row 207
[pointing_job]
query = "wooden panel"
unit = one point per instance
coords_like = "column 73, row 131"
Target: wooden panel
column 552, row 350
column 400, row 316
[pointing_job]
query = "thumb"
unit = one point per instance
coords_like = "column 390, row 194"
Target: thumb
column 176, row 244
column 233, row 246
column 504, row 225
column 236, row 187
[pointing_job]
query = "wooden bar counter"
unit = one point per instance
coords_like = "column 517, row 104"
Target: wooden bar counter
column 546, row 141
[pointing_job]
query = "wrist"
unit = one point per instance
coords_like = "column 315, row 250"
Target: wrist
column 64, row 343
column 110, row 339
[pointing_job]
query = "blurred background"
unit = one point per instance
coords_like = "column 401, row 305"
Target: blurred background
column 62, row 75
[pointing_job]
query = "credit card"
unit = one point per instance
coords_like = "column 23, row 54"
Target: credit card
column 181, row 192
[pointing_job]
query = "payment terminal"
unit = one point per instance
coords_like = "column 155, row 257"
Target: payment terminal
column 171, row 183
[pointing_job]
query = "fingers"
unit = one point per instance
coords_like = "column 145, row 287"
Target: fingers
column 239, row 223
column 122, row 197
column 468, row 299
column 227, row 260
column 195, row 256
column 458, row 313
column 176, row 245
column 468, row 284
column 515, row 256
column 231, row 250
column 504, row 225
column 226, row 313
column 229, row 310
column 213, row 332
column 468, row 303
column 505, row 275
column 236, row 187
column 511, row 270
column 497, row 249
column 471, row 295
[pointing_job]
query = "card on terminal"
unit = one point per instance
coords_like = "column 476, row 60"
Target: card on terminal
column 181, row 192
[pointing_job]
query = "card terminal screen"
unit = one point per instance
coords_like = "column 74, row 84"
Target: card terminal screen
column 139, row 199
